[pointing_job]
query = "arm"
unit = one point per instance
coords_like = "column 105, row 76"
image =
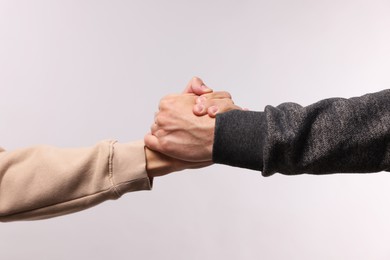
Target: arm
column 41, row 182
column 44, row 181
column 331, row 136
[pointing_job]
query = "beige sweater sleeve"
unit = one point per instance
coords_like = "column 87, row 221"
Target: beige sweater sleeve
column 43, row 181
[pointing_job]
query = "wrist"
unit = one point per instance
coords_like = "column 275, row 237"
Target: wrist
column 157, row 164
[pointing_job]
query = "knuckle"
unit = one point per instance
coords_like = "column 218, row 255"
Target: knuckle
column 167, row 97
column 160, row 119
column 163, row 103
column 159, row 134
column 163, row 99
column 195, row 78
column 154, row 128
column 227, row 94
column 168, row 100
column 228, row 102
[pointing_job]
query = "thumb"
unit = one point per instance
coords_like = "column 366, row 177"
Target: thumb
column 196, row 86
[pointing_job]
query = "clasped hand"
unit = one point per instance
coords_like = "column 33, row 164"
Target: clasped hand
column 183, row 127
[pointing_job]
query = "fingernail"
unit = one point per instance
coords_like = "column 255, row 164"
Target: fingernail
column 200, row 100
column 199, row 108
column 205, row 88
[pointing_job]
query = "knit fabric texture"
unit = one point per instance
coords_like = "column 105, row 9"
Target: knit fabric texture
column 331, row 136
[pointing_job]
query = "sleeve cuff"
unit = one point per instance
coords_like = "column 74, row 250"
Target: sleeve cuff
column 239, row 139
column 128, row 168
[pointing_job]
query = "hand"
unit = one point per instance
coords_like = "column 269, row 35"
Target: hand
column 208, row 102
column 184, row 126
column 180, row 134
column 158, row 164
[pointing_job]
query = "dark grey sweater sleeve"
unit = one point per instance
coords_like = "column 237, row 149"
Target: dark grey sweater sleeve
column 331, row 136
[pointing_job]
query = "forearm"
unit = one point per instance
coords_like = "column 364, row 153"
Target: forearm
column 331, row 136
column 42, row 182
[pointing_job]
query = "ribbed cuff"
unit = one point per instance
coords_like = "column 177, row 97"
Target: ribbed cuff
column 239, row 139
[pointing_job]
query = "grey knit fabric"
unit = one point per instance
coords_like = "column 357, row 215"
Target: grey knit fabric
column 331, row 136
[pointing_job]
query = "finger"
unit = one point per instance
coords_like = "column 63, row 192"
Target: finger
column 152, row 142
column 214, row 95
column 203, row 103
column 214, row 106
column 159, row 133
column 197, row 86
column 166, row 100
column 200, row 99
column 161, row 119
column 199, row 110
column 214, row 110
column 225, row 102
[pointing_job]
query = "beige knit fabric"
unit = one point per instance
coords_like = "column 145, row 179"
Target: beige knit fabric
column 44, row 181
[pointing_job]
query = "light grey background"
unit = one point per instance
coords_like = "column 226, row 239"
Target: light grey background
column 75, row 72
